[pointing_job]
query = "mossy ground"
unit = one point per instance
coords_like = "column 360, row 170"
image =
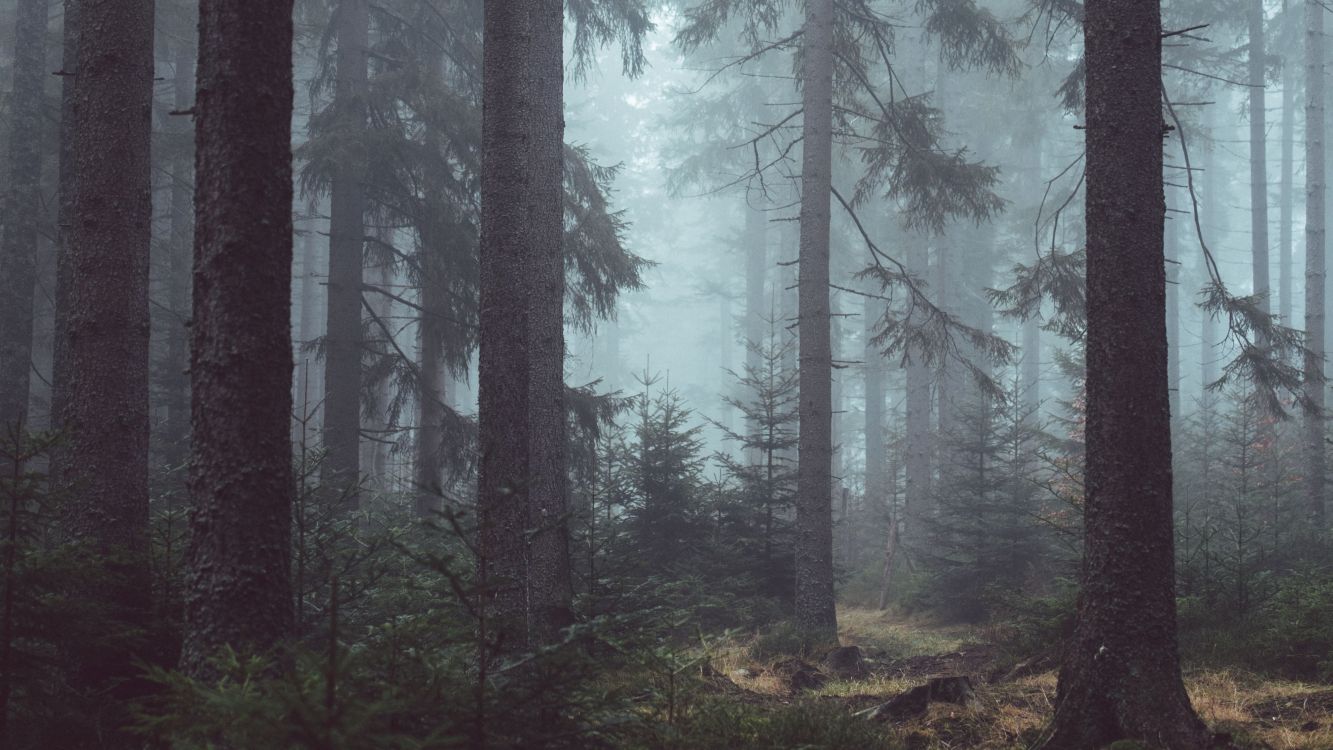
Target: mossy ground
column 760, row 711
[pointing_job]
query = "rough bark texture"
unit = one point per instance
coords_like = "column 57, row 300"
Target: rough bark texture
column 814, row 502
column 60, row 366
column 875, row 371
column 18, row 241
column 1258, row 154
column 522, row 493
column 1315, row 258
column 1120, row 676
column 238, row 591
column 106, row 412
column 342, row 360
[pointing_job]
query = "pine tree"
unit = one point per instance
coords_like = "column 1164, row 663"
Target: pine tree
column 241, row 483
column 1120, row 676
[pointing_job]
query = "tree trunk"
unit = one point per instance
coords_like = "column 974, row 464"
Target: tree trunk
column 917, row 496
column 428, row 462
column 1120, row 676
column 238, row 591
column 1315, row 248
column 18, row 241
column 1258, row 155
column 877, row 454
column 522, row 492
column 815, row 611
column 1172, row 253
column 342, row 360
column 1286, row 197
column 180, row 263
column 106, row 328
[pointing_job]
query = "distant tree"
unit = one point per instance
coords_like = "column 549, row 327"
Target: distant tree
column 347, row 207
column 1120, row 676
column 22, row 214
column 1316, row 238
column 238, row 590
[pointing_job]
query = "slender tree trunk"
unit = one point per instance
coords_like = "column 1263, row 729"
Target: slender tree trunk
column 342, row 361
column 1120, row 676
column 874, row 371
column 815, row 611
column 106, row 325
column 60, row 365
column 522, row 492
column 18, row 241
column 180, row 263
column 1315, row 249
column 1212, row 203
column 431, row 404
column 1287, row 195
column 238, row 586
column 1172, row 252
column 1258, row 154
column 917, row 497
column 756, row 303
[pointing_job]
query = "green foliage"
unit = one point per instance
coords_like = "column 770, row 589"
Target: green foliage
column 722, row 724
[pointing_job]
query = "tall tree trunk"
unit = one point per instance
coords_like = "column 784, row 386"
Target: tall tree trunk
column 18, row 241
column 238, row 591
column 106, row 329
column 1120, row 676
column 757, row 306
column 1258, row 154
column 1287, row 190
column 815, row 611
column 522, row 484
column 874, row 371
column 180, row 263
column 1171, row 244
column 1212, row 204
column 1315, row 259
column 917, row 496
column 347, row 205
column 428, row 463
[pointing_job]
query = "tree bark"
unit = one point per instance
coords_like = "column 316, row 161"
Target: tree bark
column 815, row 611
column 238, row 591
column 874, row 371
column 1120, row 675
column 18, row 241
column 342, row 360
column 106, row 327
column 1171, row 244
column 1315, row 260
column 918, row 376
column 1287, row 188
column 522, row 484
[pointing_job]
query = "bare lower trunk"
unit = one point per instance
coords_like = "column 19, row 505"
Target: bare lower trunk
column 342, row 359
column 1120, row 675
column 522, row 492
column 106, row 326
column 918, row 449
column 1290, row 71
column 179, row 265
column 241, row 484
column 22, row 212
column 1315, row 249
column 815, row 611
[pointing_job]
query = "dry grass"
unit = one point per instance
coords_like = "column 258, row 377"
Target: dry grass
column 1258, row 712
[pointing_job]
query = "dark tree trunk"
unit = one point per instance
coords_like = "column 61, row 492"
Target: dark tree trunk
column 875, row 371
column 431, row 405
column 18, row 242
column 522, row 493
column 60, row 367
column 1315, row 259
column 342, row 361
column 238, row 590
column 1120, row 676
column 106, row 325
column 1171, row 243
column 179, row 264
column 815, row 611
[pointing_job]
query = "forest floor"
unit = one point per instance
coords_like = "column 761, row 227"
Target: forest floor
column 1010, row 709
